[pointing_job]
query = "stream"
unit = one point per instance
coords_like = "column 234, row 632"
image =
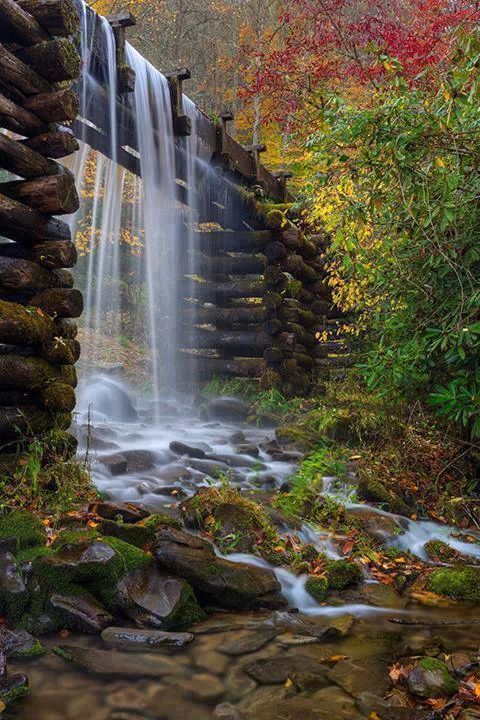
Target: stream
column 243, row 658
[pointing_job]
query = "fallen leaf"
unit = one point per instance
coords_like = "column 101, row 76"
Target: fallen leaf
column 64, row 633
column 2, row 706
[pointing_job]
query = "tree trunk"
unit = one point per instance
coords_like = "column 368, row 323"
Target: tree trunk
column 55, row 144
column 21, row 223
column 55, row 106
column 52, row 195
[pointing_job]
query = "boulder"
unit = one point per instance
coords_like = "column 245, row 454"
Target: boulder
column 153, row 598
column 356, row 676
column 378, row 525
column 79, row 557
column 277, row 670
column 19, row 643
column 131, row 638
column 227, row 408
column 431, row 679
column 128, row 512
column 13, row 591
column 116, row 463
column 184, row 450
column 235, row 585
column 80, row 613
column 139, row 460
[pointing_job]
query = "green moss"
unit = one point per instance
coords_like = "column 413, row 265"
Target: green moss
column 434, row 665
column 460, row 583
column 72, row 536
column 31, row 554
column 187, row 611
column 24, row 527
column 35, row 650
column 439, row 551
column 317, row 587
column 153, row 522
column 341, row 574
column 10, row 696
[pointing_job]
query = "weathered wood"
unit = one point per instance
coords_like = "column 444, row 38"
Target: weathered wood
column 19, row 25
column 54, row 144
column 304, row 360
column 61, row 302
column 32, row 373
column 224, row 317
column 21, row 275
column 274, row 326
column 296, row 266
column 212, row 243
column 223, row 292
column 21, row 223
column 275, row 251
column 58, row 397
column 21, row 160
column 52, row 255
column 52, row 195
column 319, row 287
column 60, row 351
column 294, row 239
column 199, row 366
column 55, row 60
column 65, row 328
column 209, row 267
column 272, row 301
column 275, row 278
column 21, row 121
column 16, row 73
column 57, row 106
column 303, row 337
column 57, row 17
column 26, row 422
column 250, row 343
column 20, row 325
column 273, row 355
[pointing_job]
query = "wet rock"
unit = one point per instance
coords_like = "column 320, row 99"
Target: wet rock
column 38, row 624
column 164, row 409
column 431, row 679
column 184, row 450
column 369, row 703
column 169, row 703
column 209, row 467
column 457, row 663
column 98, row 443
column 127, row 512
column 236, row 461
column 155, row 599
column 118, row 664
column 171, row 491
column 342, row 574
column 131, row 533
column 377, row 525
column 80, row 556
column 19, row 643
column 237, row 438
column 116, row 463
column 250, row 643
column 227, row 408
column 230, row 584
column 273, row 704
column 13, row 591
column 226, row 711
column 172, row 473
column 80, row 613
column 277, row 670
column 203, row 687
column 139, row 460
column 130, row 638
column 355, row 676
column 13, row 687
column 247, row 450
column 288, row 640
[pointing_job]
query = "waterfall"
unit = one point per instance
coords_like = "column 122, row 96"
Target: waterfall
column 135, row 238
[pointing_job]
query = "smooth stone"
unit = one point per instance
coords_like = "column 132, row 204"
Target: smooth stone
column 118, row 664
column 153, row 598
column 273, row 704
column 456, row 662
column 287, row 640
column 18, row 643
column 139, row 460
column 250, row 643
column 171, row 473
column 81, row 613
column 276, row 670
column 203, row 687
column 116, row 463
column 171, row 491
column 247, row 450
column 184, row 450
column 80, row 555
column 169, row 703
column 227, row 408
column 128, row 512
column 236, row 461
column 356, row 676
column 125, row 697
column 235, row 585
column 227, row 711
column 237, row 438
column 133, row 638
column 430, row 683
column 369, row 703
column 13, row 591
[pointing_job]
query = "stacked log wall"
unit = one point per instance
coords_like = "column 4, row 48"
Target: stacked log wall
column 38, row 345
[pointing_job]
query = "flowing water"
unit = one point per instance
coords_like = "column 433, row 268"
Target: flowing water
column 136, row 229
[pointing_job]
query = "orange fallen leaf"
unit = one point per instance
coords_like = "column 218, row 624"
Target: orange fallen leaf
column 93, row 524
column 64, row 633
column 336, row 658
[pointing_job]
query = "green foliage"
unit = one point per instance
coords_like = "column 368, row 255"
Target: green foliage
column 22, row 525
column 317, row 587
column 407, row 236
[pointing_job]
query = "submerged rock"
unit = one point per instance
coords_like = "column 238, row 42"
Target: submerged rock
column 13, row 591
column 226, row 711
column 139, row 460
column 155, row 599
column 277, row 670
column 118, row 664
column 116, row 463
column 129, row 638
column 355, row 676
column 235, row 585
column 13, row 687
column 251, row 642
column 431, row 679
column 81, row 613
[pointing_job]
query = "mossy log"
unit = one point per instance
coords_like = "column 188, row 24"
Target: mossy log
column 65, row 328
column 224, row 317
column 223, row 292
column 202, row 367
column 19, row 25
column 59, row 397
column 52, row 255
column 274, row 326
column 209, row 267
column 243, row 342
column 56, row 144
column 304, row 360
column 20, row 275
column 294, row 239
column 319, row 287
column 26, row 326
column 272, row 301
column 31, row 373
column 16, row 73
column 17, row 423
column 273, row 355
column 60, row 105
column 21, row 160
column 296, row 266
column 24, row 224
column 61, row 302
column 57, row 17
column 52, row 195
column 275, row 251
column 305, row 338
column 212, row 243
column 60, row 351
column 275, row 278
column 54, row 60
column 18, row 119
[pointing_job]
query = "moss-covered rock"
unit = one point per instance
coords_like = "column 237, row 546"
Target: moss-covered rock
column 140, row 534
column 459, row 583
column 342, row 574
column 439, row 551
column 22, row 525
column 317, row 587
column 431, row 679
column 13, row 688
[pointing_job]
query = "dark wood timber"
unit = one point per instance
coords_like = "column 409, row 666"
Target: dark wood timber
column 21, row 160
column 243, row 342
column 209, row 267
column 52, row 255
column 22, row 223
column 16, row 73
column 16, row 118
column 55, row 144
column 61, row 105
column 203, row 367
column 222, row 292
column 53, row 195
column 252, row 314
column 19, row 325
column 19, row 25
column 31, row 373
column 21, row 275
column 54, row 60
column 29, row 422
column 58, row 17
column 60, row 302
column 212, row 243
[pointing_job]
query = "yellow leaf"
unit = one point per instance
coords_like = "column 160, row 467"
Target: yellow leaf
column 288, row 683
column 477, row 689
column 373, row 716
column 2, row 706
column 439, row 162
